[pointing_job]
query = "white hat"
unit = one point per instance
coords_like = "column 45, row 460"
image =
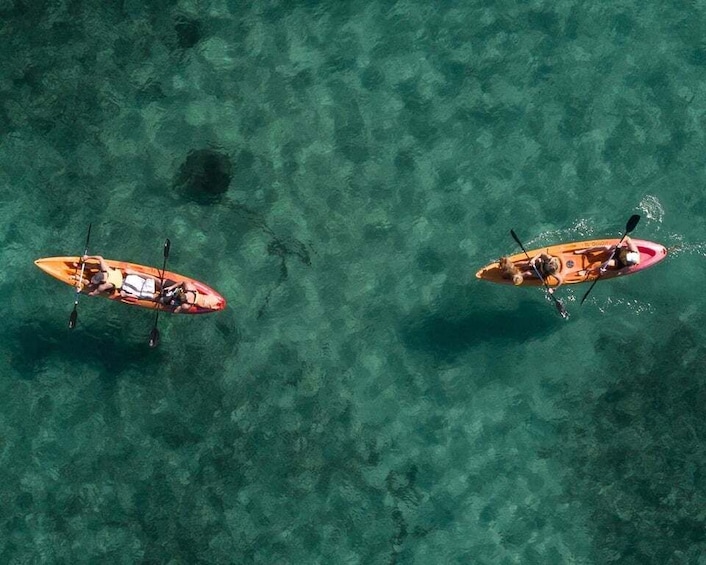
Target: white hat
column 632, row 257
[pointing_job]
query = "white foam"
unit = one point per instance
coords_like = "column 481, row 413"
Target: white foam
column 579, row 229
column 637, row 306
column 651, row 207
column 676, row 246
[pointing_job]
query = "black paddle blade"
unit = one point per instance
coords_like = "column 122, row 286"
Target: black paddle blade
column 73, row 318
column 517, row 240
column 168, row 244
column 88, row 236
column 632, row 222
column 154, row 337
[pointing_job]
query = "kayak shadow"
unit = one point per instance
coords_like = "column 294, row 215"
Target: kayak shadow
column 446, row 336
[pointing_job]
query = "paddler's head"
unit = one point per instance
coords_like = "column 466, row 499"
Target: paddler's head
column 551, row 265
column 517, row 279
column 628, row 257
column 98, row 279
column 632, row 257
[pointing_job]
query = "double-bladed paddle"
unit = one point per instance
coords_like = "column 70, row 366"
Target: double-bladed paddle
column 154, row 334
column 559, row 306
column 632, row 222
column 73, row 318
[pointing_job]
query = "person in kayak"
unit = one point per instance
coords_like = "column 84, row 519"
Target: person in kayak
column 106, row 280
column 185, row 297
column 179, row 296
column 548, row 266
column 624, row 255
column 510, row 271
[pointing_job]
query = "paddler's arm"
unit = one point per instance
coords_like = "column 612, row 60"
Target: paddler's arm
column 172, row 287
column 560, row 281
column 102, row 265
column 531, row 269
column 597, row 249
column 101, row 288
column 97, row 259
column 631, row 244
column 533, row 261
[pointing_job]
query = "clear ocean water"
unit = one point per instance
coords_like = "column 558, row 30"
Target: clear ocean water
column 339, row 170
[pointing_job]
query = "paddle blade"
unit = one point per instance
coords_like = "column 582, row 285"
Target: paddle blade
column 73, row 318
column 154, row 337
column 517, row 239
column 167, row 246
column 88, row 237
column 632, row 223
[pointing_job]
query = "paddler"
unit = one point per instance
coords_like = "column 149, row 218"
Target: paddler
column 548, row 266
column 106, row 279
column 184, row 296
column 627, row 255
column 510, row 271
column 624, row 255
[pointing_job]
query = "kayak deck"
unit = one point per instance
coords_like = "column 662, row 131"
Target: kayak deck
column 68, row 270
column 578, row 262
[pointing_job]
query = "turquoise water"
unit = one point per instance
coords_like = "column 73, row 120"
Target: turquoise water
column 339, row 171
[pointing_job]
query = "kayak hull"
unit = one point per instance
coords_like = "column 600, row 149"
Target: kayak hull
column 576, row 265
column 66, row 270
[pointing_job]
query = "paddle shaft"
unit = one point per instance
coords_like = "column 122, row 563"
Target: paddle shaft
column 154, row 334
column 73, row 318
column 629, row 226
column 559, row 306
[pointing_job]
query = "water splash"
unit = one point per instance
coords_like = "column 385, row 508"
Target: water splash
column 584, row 228
column 605, row 304
column 651, row 207
column 636, row 306
column 676, row 246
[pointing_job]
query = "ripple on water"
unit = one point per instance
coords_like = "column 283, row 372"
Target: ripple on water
column 651, row 207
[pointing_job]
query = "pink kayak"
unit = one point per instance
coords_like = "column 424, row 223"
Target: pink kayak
column 579, row 262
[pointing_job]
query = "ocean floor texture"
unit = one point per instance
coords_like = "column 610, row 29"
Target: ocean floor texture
column 339, row 171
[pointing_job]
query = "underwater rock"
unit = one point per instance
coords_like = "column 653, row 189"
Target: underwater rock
column 205, row 176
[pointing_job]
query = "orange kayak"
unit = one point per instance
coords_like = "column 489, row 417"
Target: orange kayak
column 578, row 262
column 65, row 269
